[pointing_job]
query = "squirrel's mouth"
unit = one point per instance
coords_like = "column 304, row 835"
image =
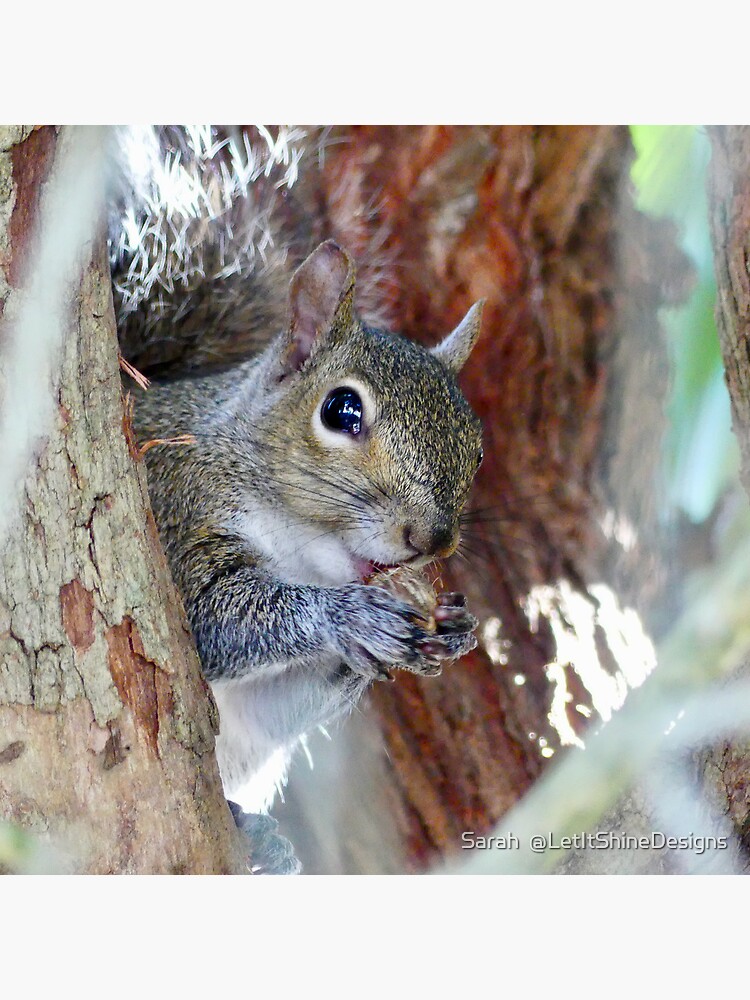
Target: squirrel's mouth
column 367, row 569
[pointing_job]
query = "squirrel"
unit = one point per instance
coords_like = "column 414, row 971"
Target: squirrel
column 335, row 451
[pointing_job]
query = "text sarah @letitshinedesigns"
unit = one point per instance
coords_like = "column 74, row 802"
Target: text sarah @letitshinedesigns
column 602, row 840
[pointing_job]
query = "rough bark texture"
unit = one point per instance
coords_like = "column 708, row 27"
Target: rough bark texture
column 568, row 379
column 727, row 767
column 730, row 226
column 106, row 726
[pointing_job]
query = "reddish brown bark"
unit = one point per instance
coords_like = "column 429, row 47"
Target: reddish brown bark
column 32, row 161
column 539, row 222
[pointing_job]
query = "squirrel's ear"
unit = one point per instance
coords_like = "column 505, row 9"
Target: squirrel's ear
column 321, row 290
column 456, row 347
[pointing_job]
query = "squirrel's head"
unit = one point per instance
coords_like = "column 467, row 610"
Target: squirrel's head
column 373, row 438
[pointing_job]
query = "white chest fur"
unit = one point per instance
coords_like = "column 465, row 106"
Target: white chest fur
column 296, row 552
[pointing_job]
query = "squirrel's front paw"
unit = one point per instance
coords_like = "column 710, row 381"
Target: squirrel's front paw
column 375, row 630
column 453, row 636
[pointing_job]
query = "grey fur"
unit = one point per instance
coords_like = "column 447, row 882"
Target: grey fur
column 268, row 521
column 199, row 264
column 305, row 649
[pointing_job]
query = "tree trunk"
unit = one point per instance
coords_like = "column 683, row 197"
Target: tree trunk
column 727, row 765
column 106, row 726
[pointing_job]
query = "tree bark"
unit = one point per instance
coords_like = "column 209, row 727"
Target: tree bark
column 106, row 726
column 726, row 767
column 730, row 227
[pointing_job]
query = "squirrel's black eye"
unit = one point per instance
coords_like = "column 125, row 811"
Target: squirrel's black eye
column 480, row 457
column 342, row 411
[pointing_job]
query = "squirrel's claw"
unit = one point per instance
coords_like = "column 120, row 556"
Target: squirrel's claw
column 454, row 619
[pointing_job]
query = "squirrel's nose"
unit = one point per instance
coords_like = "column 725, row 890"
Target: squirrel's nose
column 432, row 540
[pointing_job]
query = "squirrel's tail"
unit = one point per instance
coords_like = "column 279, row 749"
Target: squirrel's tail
column 200, row 268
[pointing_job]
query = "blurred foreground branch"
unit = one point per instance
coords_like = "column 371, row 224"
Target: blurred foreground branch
column 710, row 640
